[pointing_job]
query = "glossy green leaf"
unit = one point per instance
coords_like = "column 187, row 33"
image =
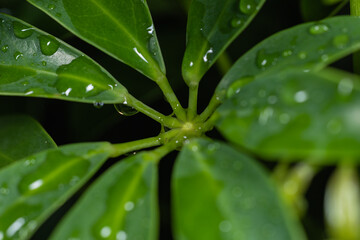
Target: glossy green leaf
column 122, row 29
column 296, row 114
column 212, row 26
column 21, row 136
column 121, row 204
column 33, row 188
column 33, row 63
column 221, row 194
column 311, row 46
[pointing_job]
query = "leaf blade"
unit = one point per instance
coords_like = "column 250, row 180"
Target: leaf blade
column 21, row 136
column 124, row 30
column 331, row 40
column 227, row 208
column 41, row 183
column 124, row 207
column 40, row 65
column 310, row 114
column 212, row 26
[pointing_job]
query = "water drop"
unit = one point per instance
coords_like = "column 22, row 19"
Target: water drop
column 48, row 45
column 301, row 96
column 345, row 87
column 236, row 22
column 284, row 118
column 287, row 53
column 140, row 55
column 334, row 126
column 324, row 57
column 125, row 110
column 341, row 41
column 236, row 86
column 21, row 30
column 318, row 29
column 15, row 227
column 129, row 206
column 206, row 56
column 4, row 190
column 89, row 88
column 18, row 55
column 121, row 235
column 247, row 6
column 265, row 115
column 272, row 99
column 36, row 184
column 105, row 232
column 44, row 63
column 98, row 104
column 225, row 226
column 51, row 6
column 4, row 48
column 302, row 55
column 264, row 60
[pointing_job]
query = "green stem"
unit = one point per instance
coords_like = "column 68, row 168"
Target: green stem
column 338, row 8
column 355, row 11
column 210, row 109
column 224, row 63
column 169, row 94
column 150, row 112
column 122, row 148
column 164, row 150
column 193, row 98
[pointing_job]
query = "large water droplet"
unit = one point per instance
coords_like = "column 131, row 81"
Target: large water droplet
column 4, row 48
column 21, row 30
column 341, row 41
column 236, row 22
column 318, row 29
column 48, row 45
column 236, row 86
column 345, row 87
column 125, row 110
column 301, row 96
column 264, row 60
column 18, row 55
column 247, row 6
column 98, row 105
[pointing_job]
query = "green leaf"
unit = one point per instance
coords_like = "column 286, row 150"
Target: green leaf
column 212, row 26
column 33, row 188
column 122, row 29
column 311, row 46
column 219, row 193
column 21, row 136
column 36, row 64
column 296, row 114
column 121, row 204
column 312, row 10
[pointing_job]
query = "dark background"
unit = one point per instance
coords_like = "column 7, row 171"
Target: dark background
column 69, row 122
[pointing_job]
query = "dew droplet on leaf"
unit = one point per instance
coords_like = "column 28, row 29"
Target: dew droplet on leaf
column 318, row 29
column 48, row 45
column 125, row 110
column 21, row 30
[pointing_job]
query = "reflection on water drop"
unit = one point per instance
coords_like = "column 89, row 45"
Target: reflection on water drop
column 15, row 227
column 345, row 87
column 301, row 96
column 341, row 41
column 139, row 54
column 302, row 55
column 129, row 206
column 36, row 184
column 225, row 226
column 121, row 235
column 318, row 29
column 89, row 87
column 265, row 115
column 125, row 110
column 22, row 31
column 48, row 45
column 236, row 22
column 206, row 56
column 98, row 104
column 4, row 48
column 105, row 232
column 247, row 6
column 236, row 86
column 18, row 55
column 264, row 60
column 287, row 53
column 51, row 6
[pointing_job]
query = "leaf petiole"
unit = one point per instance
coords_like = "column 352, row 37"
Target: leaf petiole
column 122, row 148
column 152, row 113
column 170, row 96
column 193, row 98
column 210, row 109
